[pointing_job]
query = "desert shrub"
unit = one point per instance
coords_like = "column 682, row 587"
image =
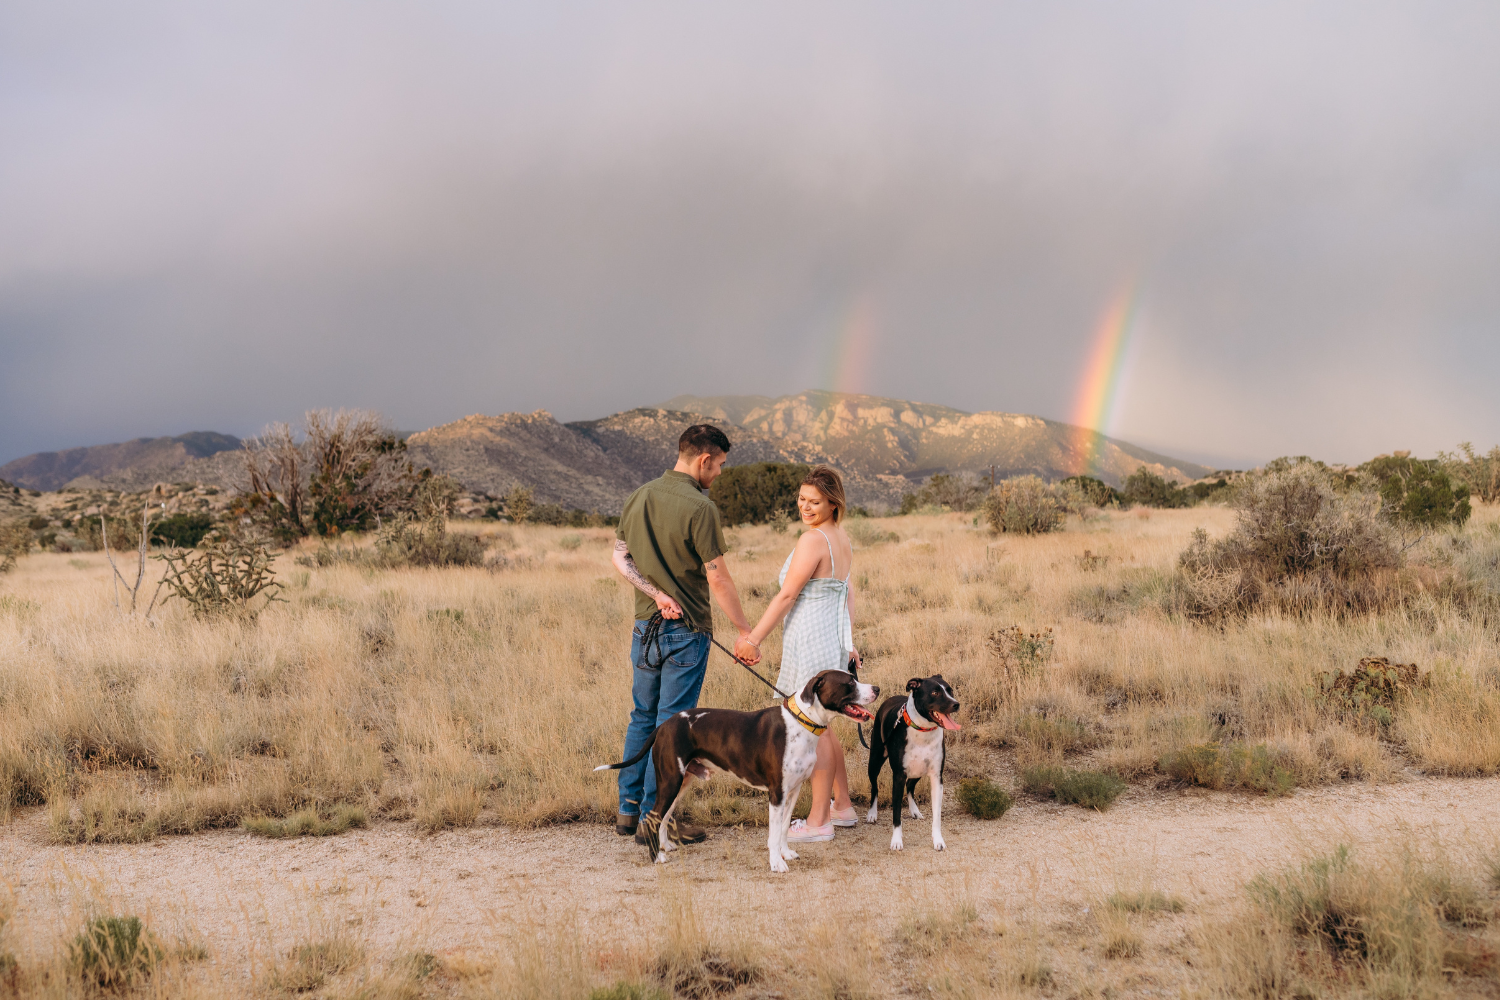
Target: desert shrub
column 122, row 533
column 185, row 530
column 564, row 517
column 308, row 965
column 348, row 472
column 15, row 541
column 1418, row 494
column 1144, row 488
column 518, row 504
column 1095, row 491
column 308, row 823
column 1371, row 690
column 866, row 534
column 628, row 991
column 983, row 799
column 1199, row 492
column 1480, row 473
column 962, row 492
column 1298, row 543
column 1027, row 505
column 224, row 577
column 1090, row 789
column 1145, row 901
column 402, row 541
column 1217, row 766
column 114, row 951
column 1395, row 924
column 755, row 493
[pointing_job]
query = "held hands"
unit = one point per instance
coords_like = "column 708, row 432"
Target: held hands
column 669, row 608
column 746, row 651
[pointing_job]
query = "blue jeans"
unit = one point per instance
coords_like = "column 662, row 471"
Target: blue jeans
column 659, row 694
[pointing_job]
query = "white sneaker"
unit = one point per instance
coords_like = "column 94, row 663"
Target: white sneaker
column 801, row 833
column 846, row 818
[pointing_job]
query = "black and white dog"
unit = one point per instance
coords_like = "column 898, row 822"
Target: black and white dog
column 772, row 750
column 909, row 732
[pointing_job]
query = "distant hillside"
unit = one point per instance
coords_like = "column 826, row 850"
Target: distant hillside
column 881, row 436
column 153, row 459
column 884, row 448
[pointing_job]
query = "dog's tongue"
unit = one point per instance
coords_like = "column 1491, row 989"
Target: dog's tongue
column 944, row 721
column 858, row 712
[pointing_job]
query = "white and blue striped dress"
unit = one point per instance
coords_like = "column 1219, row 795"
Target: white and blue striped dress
column 817, row 635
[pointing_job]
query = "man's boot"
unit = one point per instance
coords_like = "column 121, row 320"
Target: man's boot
column 681, row 833
column 625, row 824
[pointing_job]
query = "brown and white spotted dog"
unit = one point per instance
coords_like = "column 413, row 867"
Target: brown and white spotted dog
column 772, row 750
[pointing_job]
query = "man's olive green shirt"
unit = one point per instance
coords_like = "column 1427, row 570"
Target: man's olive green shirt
column 672, row 529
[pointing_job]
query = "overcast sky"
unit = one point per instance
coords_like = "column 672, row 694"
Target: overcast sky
column 217, row 215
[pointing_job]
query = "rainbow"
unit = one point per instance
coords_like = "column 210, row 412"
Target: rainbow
column 1094, row 408
column 847, row 363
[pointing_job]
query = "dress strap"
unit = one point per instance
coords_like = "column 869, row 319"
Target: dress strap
column 833, row 569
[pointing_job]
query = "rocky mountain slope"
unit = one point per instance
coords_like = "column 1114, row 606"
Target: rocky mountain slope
column 881, row 436
column 131, row 465
column 884, row 447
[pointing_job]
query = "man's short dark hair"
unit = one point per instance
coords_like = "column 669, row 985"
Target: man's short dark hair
column 700, row 438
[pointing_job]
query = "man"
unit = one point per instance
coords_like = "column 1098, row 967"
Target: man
column 669, row 545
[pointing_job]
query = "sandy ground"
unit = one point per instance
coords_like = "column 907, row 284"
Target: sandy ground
column 459, row 893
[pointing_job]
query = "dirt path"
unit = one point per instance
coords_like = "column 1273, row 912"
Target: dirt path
column 459, row 892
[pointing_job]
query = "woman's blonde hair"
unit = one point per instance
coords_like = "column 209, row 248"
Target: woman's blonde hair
column 827, row 482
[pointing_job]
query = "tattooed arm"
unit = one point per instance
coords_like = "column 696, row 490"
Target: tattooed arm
column 628, row 569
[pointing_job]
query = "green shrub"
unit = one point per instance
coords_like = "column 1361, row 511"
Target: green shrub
column 758, row 492
column 1027, row 505
column 114, row 951
column 1095, row 491
column 308, row 823
column 1212, row 765
column 15, row 541
column 1090, row 789
column 1480, row 473
column 628, row 991
column 1299, row 543
column 1417, row 493
column 1145, row 901
column 1371, row 690
column 1144, row 488
column 184, row 530
column 945, row 491
column 983, row 799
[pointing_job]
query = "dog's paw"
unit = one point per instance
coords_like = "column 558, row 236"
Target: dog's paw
column 789, row 854
column 915, row 812
column 896, row 844
column 661, row 857
column 873, row 814
column 779, row 865
column 938, row 844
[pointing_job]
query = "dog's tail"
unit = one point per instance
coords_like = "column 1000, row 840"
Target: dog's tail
column 626, row 763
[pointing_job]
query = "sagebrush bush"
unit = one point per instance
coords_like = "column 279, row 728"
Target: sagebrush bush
column 1219, row 766
column 114, row 951
column 1144, row 488
column 983, row 799
column 1027, row 505
column 1090, row 789
column 1298, row 544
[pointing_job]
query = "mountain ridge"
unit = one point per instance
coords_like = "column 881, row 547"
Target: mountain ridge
column 883, row 446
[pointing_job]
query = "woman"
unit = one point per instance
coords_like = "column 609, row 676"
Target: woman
column 817, row 603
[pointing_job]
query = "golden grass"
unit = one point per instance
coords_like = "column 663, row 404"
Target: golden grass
column 462, row 696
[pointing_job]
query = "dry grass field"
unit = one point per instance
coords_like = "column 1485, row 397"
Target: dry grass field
column 431, row 702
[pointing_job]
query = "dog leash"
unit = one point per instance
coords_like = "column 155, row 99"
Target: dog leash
column 651, row 636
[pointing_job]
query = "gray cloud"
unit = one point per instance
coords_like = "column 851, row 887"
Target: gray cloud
column 211, row 219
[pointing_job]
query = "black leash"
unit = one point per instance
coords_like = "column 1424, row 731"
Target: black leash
column 652, row 637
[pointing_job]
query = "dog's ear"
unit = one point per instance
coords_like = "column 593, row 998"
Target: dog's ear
column 810, row 689
column 914, row 683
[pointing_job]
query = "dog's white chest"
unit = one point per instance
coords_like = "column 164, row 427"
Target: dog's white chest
column 924, row 754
